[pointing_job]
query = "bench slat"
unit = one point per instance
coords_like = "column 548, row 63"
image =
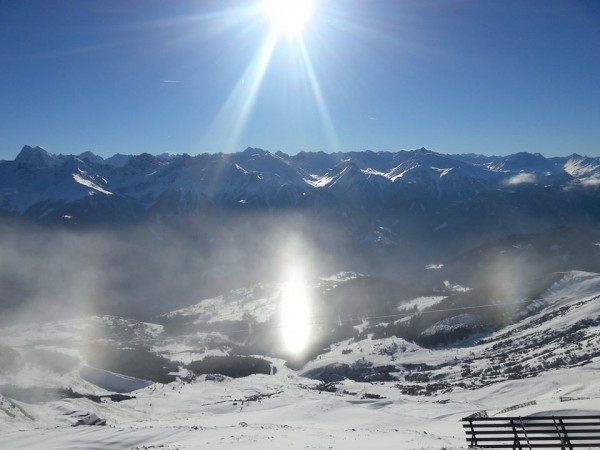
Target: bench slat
column 540, row 438
column 528, row 425
column 533, row 432
column 549, row 431
column 487, row 419
column 533, row 445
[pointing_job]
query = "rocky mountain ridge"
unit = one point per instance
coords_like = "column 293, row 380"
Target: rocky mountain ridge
column 80, row 189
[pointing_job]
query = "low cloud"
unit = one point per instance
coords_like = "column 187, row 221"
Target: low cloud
column 521, row 178
column 591, row 181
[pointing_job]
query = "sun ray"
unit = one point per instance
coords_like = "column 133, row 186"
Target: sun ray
column 230, row 122
column 318, row 97
column 233, row 115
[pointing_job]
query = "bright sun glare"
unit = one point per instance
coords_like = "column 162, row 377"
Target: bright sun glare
column 288, row 16
column 287, row 19
column 295, row 315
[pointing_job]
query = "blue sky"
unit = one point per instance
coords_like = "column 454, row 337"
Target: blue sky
column 455, row 76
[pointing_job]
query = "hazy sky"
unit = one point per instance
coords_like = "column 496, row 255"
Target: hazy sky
column 455, row 76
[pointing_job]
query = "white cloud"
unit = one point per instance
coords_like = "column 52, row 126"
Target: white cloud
column 521, row 178
column 591, row 181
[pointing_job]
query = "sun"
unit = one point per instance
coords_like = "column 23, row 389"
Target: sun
column 288, row 17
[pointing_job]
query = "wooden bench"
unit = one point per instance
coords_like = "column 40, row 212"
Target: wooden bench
column 566, row 432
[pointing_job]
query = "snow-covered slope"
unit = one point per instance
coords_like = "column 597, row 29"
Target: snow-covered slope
column 388, row 392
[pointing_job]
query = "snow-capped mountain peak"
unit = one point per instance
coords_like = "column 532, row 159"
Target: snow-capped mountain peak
column 36, row 157
column 257, row 176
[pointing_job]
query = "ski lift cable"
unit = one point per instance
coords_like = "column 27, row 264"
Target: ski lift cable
column 368, row 318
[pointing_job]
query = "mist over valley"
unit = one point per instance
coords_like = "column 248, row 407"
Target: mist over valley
column 373, row 278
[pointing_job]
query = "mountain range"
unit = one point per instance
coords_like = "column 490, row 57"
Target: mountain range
column 401, row 189
column 181, row 226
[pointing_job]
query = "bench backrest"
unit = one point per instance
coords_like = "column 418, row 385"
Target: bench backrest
column 533, row 432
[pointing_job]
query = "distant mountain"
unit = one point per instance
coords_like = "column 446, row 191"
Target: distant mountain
column 420, row 190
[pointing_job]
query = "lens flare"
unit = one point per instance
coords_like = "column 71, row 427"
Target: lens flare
column 230, row 122
column 295, row 314
column 287, row 18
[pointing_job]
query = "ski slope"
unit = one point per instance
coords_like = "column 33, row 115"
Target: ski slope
column 421, row 409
